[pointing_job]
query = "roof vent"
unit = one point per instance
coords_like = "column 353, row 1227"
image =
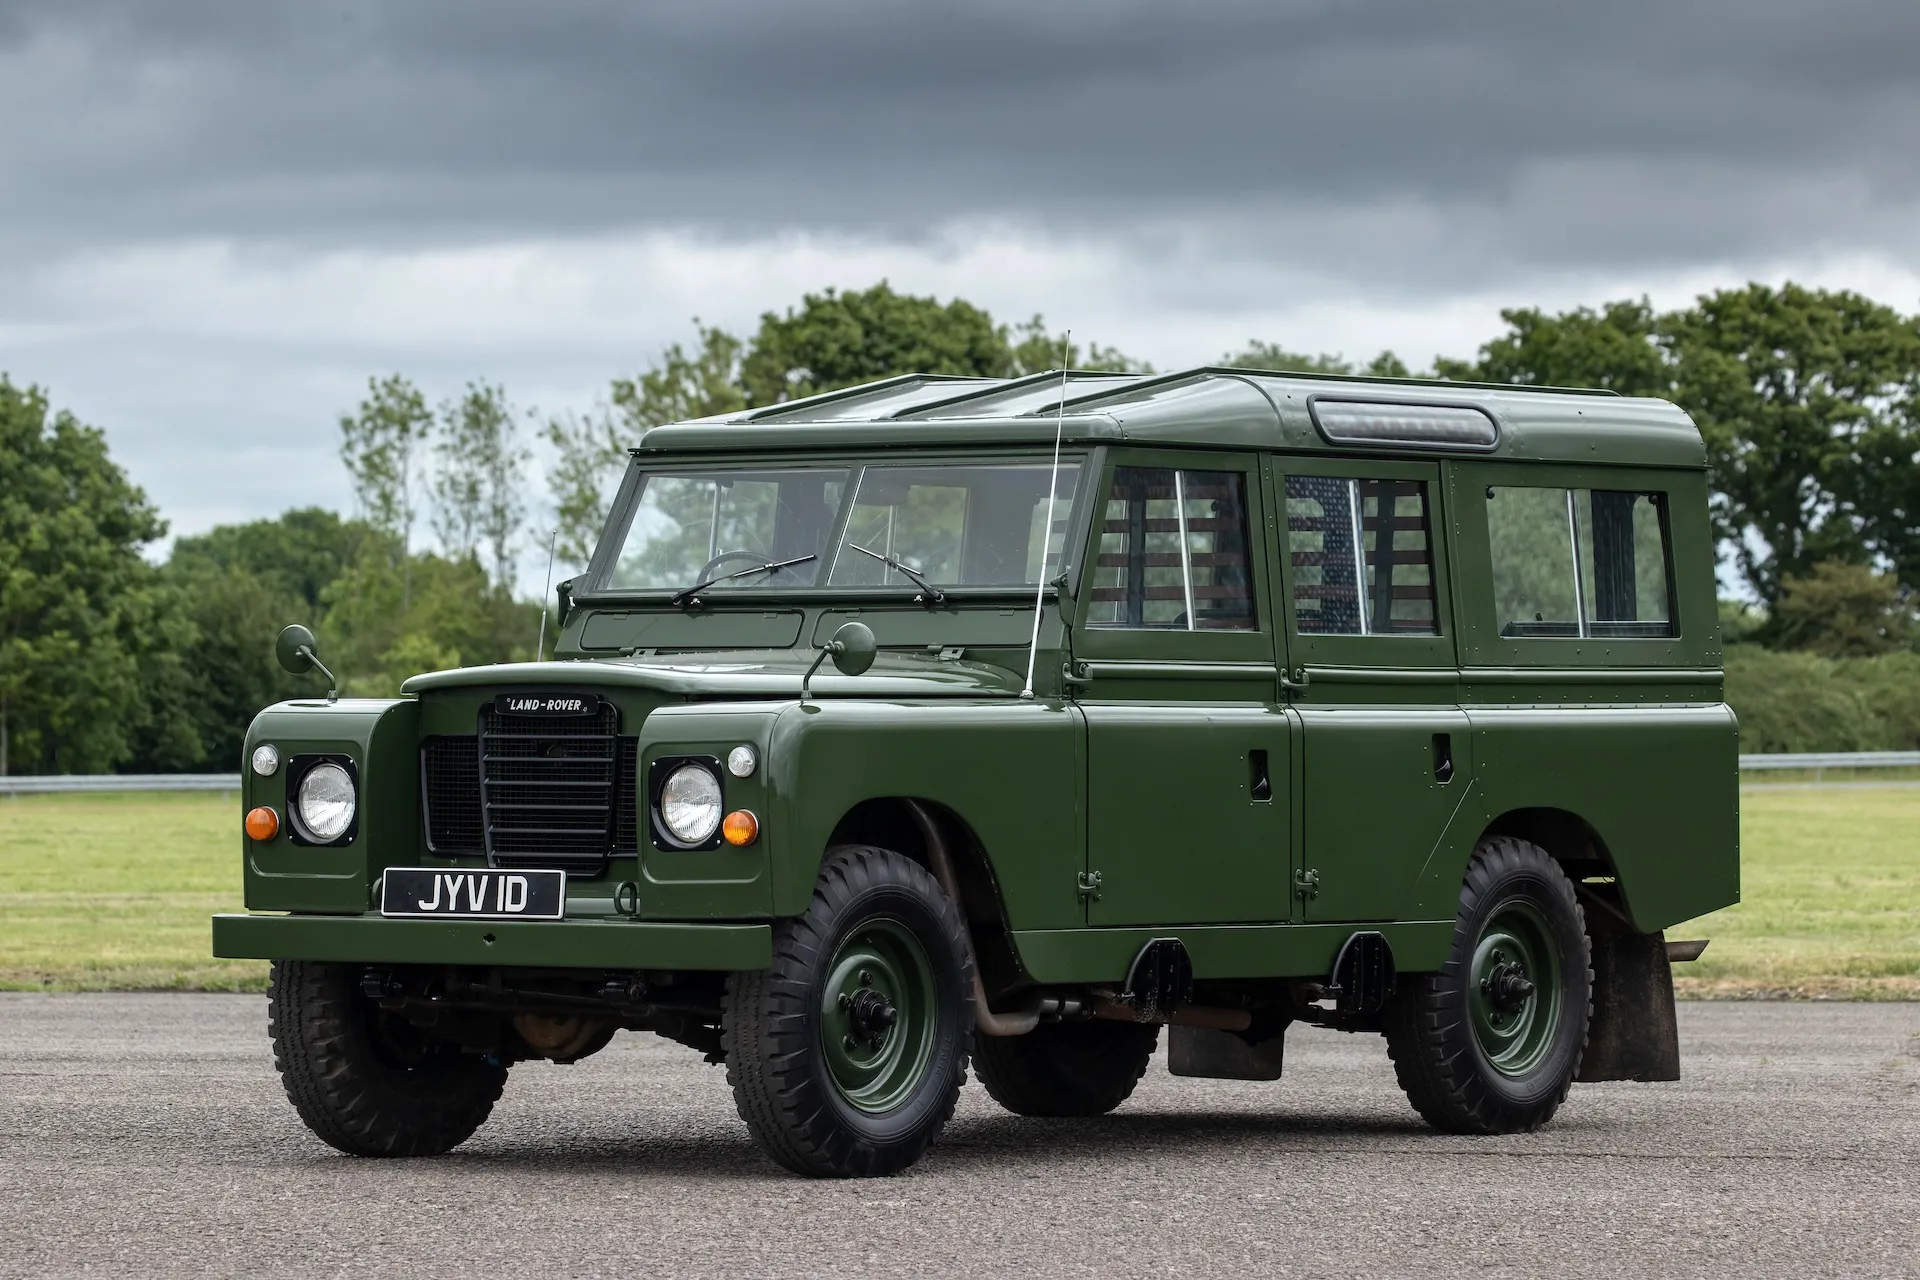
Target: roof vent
column 1415, row 426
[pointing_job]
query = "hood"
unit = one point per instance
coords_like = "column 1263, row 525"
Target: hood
column 773, row 673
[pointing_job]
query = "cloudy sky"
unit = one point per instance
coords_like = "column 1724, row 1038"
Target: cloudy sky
column 217, row 219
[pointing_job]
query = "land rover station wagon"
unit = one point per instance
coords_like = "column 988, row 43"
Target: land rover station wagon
column 946, row 720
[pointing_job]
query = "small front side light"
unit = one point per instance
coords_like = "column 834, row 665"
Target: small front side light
column 262, row 824
column 740, row 828
column 266, row 759
column 741, row 761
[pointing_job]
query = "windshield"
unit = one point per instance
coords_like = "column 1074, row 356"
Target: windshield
column 687, row 526
column 960, row 524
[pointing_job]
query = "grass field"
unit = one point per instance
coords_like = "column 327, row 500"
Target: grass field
column 109, row 891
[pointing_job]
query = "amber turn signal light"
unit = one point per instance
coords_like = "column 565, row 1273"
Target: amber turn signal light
column 263, row 823
column 740, row 827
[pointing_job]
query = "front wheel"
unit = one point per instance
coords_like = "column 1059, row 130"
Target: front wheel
column 365, row 1080
column 846, row 1056
column 1491, row 1042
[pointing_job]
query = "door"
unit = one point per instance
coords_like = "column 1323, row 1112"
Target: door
column 1386, row 752
column 1187, row 752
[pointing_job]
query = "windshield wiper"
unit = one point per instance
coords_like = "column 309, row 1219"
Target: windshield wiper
column 931, row 594
column 772, row 566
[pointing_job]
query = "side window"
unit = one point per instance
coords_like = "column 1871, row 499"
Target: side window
column 1173, row 552
column 1362, row 555
column 1571, row 563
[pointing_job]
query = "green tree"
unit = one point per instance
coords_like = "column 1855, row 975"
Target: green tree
column 1618, row 347
column 1789, row 386
column 241, row 584
column 89, row 636
column 1033, row 349
column 1841, row 610
column 589, row 450
column 682, row 386
column 478, row 465
column 381, row 443
column 840, row 339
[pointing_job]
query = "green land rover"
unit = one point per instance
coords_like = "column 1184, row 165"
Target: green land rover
column 950, row 719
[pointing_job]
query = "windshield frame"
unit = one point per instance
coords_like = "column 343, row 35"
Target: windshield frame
column 592, row 586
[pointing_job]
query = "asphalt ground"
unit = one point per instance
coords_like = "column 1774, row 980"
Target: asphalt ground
column 147, row 1134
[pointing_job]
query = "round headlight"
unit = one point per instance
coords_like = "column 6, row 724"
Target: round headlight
column 740, row 761
column 266, row 758
column 325, row 802
column 690, row 804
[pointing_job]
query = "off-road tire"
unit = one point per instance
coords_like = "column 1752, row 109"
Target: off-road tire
column 1066, row 1068
column 1447, row 1072
column 335, row 1051
column 773, row 1022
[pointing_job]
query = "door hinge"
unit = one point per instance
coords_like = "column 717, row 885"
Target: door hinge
column 1090, row 885
column 1307, row 883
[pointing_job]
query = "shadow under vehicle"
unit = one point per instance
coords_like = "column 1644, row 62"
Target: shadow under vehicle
column 944, row 720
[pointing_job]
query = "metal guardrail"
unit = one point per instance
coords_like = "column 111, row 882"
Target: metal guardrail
column 1831, row 760
column 25, row 784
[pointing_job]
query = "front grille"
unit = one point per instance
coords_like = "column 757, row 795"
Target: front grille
column 559, row 791
column 450, row 795
column 547, row 787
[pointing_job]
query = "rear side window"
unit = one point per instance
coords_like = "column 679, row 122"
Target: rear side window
column 1173, row 552
column 1573, row 563
column 1362, row 556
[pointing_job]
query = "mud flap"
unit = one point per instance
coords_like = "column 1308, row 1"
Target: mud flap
column 1223, row 1055
column 1633, row 1035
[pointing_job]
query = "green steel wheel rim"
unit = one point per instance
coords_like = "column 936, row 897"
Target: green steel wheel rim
column 1514, row 993
column 878, row 1015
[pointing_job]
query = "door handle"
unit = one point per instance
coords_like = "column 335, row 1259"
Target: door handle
column 1443, row 758
column 1260, row 783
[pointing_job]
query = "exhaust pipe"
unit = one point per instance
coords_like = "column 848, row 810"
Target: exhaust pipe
column 985, row 1020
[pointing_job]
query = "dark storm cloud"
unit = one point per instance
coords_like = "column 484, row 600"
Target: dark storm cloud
column 1563, row 133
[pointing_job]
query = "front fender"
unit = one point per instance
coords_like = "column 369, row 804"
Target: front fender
column 379, row 736
column 1012, row 770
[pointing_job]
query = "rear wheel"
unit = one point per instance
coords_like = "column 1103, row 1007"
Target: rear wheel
column 1491, row 1042
column 1066, row 1068
column 846, row 1057
column 365, row 1080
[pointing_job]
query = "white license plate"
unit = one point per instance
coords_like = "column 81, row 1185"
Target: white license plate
column 474, row 895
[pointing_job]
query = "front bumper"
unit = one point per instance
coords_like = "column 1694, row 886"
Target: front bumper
column 559, row 944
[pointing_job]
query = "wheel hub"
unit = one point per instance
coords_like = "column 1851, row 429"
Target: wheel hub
column 1514, row 1003
column 877, row 1018
column 870, row 1015
column 1508, row 986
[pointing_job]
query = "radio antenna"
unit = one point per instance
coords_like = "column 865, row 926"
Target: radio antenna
column 540, row 645
column 1046, row 530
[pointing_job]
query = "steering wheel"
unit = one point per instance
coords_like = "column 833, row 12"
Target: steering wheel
column 724, row 557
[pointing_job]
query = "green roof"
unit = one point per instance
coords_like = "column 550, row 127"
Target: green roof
column 1200, row 408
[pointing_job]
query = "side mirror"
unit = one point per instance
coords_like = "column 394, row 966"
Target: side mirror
column 296, row 652
column 853, row 648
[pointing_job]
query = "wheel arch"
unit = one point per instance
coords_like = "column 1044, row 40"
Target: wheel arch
column 1582, row 853
column 888, row 822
